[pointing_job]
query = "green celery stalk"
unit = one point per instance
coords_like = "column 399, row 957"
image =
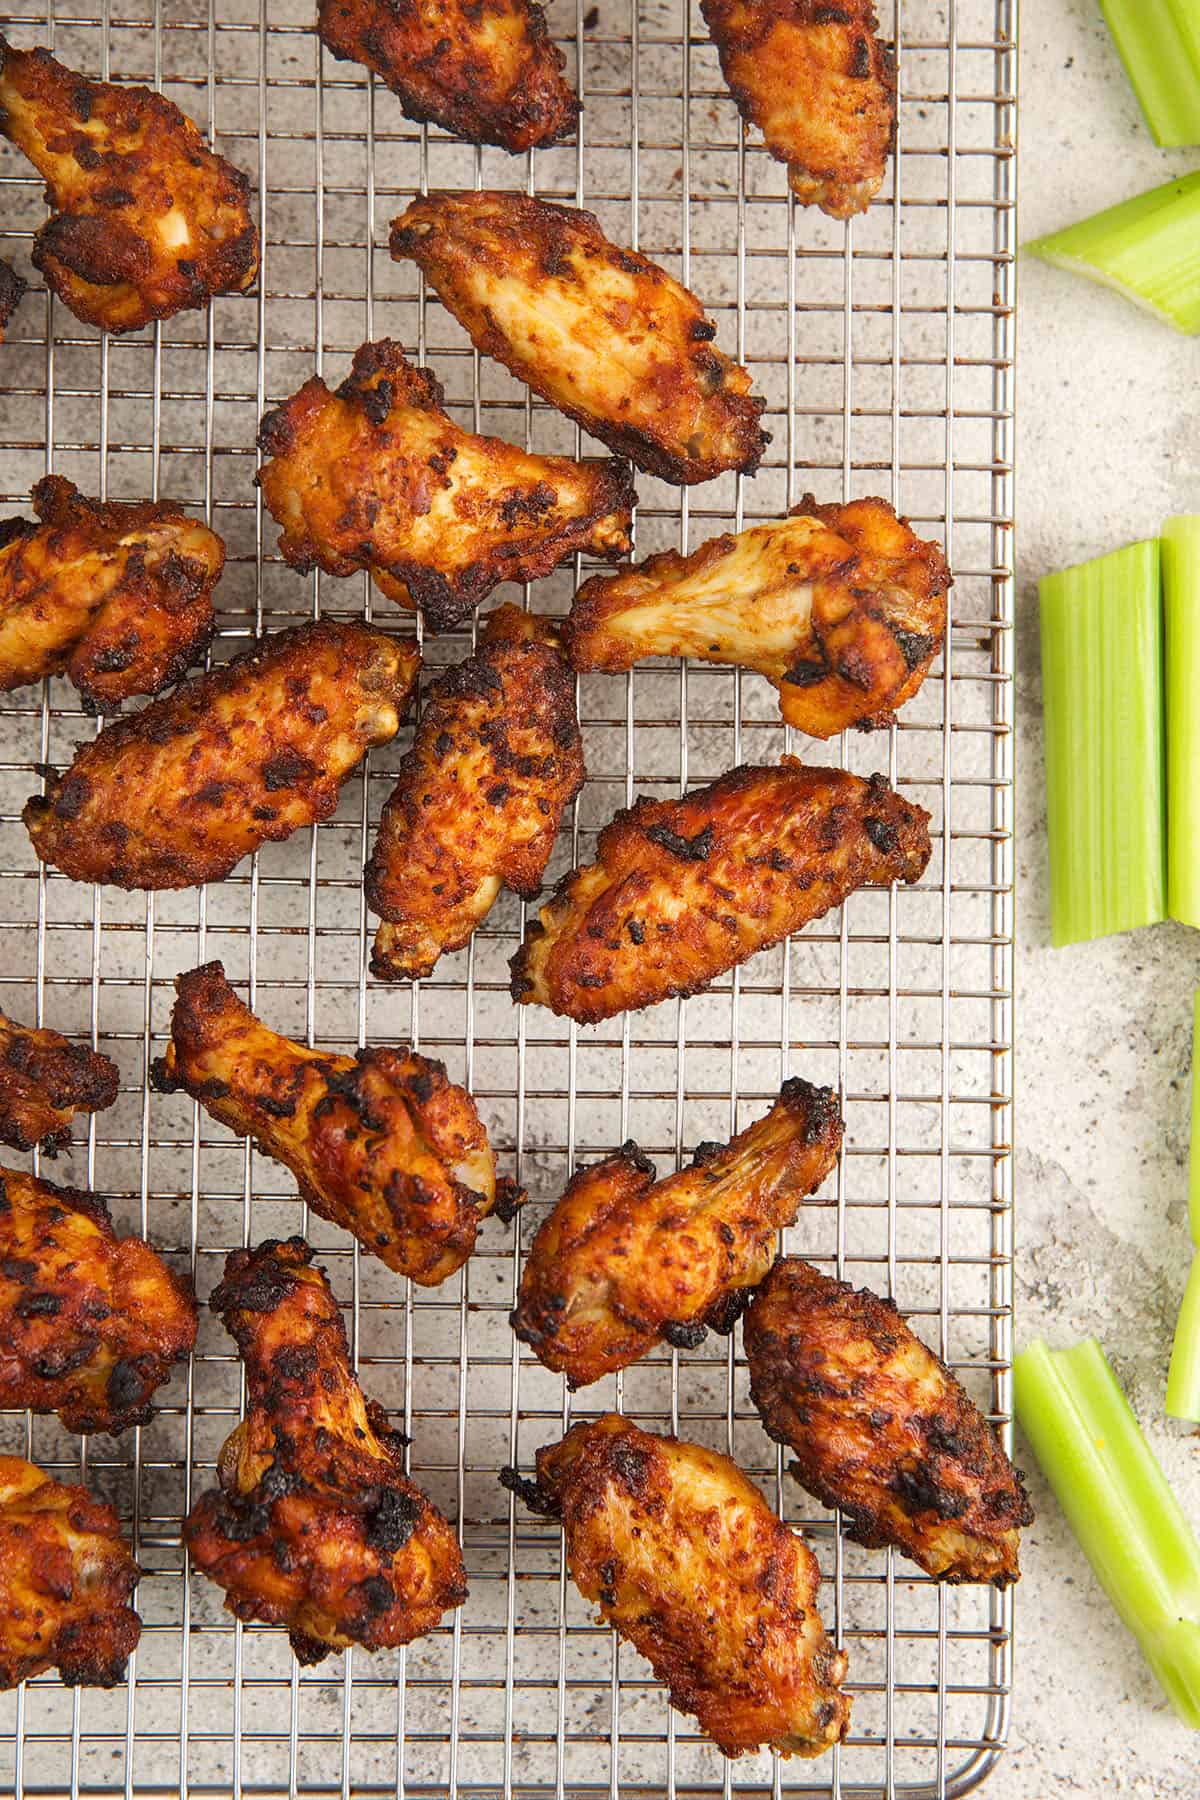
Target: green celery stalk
column 1181, row 661
column 1148, row 248
column 1101, row 627
column 1159, row 43
column 1117, row 1501
column 1194, row 1141
column 1183, row 1378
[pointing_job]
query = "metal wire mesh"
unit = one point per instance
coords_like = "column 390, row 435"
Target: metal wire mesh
column 884, row 349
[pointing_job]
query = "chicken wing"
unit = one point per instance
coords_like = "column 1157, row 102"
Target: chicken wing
column 816, row 79
column 378, row 476
column 605, row 335
column 381, row 1143
column 881, row 1428
column 147, row 221
column 117, row 597
column 842, row 608
column 45, row 1080
column 688, row 1562
column 684, row 890
column 624, row 1260
column 66, row 1575
column 90, row 1323
column 477, row 805
column 237, row 758
column 12, row 291
column 486, row 69
column 314, row 1524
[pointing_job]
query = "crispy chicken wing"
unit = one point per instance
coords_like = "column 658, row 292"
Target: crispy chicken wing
column 477, row 804
column 605, row 335
column 147, row 220
column 486, row 69
column 237, row 758
column 66, row 1575
column 117, row 597
column 688, row 1562
column 12, row 291
column 378, row 476
column 684, row 890
column 45, row 1080
column 816, row 79
column 314, row 1524
column 90, row 1323
column 842, row 608
column 381, row 1143
column 625, row 1260
column 881, row 1428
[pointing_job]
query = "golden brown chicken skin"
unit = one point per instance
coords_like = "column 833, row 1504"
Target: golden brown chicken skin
column 12, row 292
column 684, row 890
column 66, row 1575
column 237, row 758
column 817, row 81
column 377, row 476
column 116, row 597
column 45, row 1080
column 381, row 1143
column 485, row 69
column 477, row 803
column 314, row 1524
column 90, row 1323
column 602, row 333
column 881, row 1428
column 146, row 220
column 842, row 608
column 688, row 1562
column 625, row 1261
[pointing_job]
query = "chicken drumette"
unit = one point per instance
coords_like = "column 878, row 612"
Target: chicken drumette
column 45, row 1080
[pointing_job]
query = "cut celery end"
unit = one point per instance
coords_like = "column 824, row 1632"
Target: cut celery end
column 1183, row 1381
column 1147, row 248
column 1181, row 652
column 1101, row 628
column 1159, row 43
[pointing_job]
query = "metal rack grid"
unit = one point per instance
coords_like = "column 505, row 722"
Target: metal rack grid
column 884, row 349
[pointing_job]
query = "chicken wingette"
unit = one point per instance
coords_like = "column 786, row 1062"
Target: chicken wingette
column 376, row 475
column 604, row 334
column 243, row 756
column 842, row 608
column 381, row 1142
column 12, row 291
column 684, row 890
column 881, row 1428
column 314, row 1524
column 624, row 1260
column 45, row 1080
column 478, row 799
column 115, row 596
column 688, row 1562
column 147, row 221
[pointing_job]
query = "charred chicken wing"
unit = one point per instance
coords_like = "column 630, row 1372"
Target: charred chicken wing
column 842, row 608
column 625, row 1260
column 605, row 335
column 237, row 758
column 688, row 1562
column 377, row 476
column 684, row 890
column 147, row 220
column 881, row 1428
column 45, row 1080
column 497, row 758
column 314, row 1524
column 12, row 291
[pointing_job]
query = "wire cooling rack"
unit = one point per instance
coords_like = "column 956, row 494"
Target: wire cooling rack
column 884, row 350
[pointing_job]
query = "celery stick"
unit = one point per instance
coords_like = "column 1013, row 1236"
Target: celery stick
column 1159, row 43
column 1194, row 1141
column 1183, row 1379
column 1102, row 681
column 1181, row 662
column 1117, row 1501
column 1148, row 248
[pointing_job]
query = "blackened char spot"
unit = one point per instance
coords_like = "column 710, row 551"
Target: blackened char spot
column 805, row 673
column 525, row 1490
column 286, row 769
column 631, row 1466
column 684, row 1334
column 915, row 646
column 125, row 1386
column 392, row 1521
column 881, row 833
column 696, row 849
column 38, row 1305
column 70, row 796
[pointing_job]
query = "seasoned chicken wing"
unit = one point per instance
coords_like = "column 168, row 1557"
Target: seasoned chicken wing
column 45, row 1080
column 477, row 804
column 117, row 597
column 688, row 1562
column 90, row 1323
column 314, row 1524
column 12, row 291
column 377, row 476
column 608, row 337
column 381, row 1143
column 842, row 608
column 237, row 758
column 683, row 890
column 66, row 1575
column 881, row 1428
column 816, row 79
column 147, row 220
